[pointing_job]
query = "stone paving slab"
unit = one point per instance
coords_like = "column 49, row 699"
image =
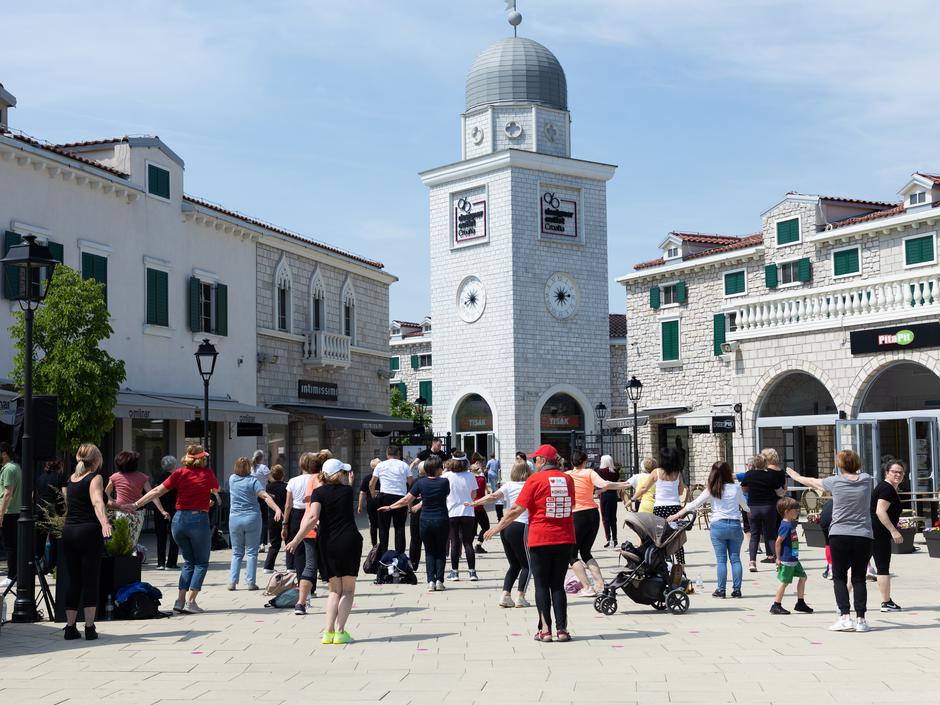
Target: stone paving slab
column 460, row 648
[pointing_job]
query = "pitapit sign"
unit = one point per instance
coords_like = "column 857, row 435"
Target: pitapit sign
column 901, row 337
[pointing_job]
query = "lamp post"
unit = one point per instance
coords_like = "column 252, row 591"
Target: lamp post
column 206, row 356
column 29, row 259
column 600, row 413
column 420, row 405
column 634, row 392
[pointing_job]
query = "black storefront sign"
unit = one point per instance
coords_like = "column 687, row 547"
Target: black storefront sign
column 559, row 215
column 469, row 220
column 899, row 337
column 321, row 391
column 722, row 424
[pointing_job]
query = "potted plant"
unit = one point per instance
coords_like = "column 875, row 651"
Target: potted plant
column 908, row 528
column 932, row 537
column 813, row 533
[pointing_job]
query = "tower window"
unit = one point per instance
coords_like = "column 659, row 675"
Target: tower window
column 918, row 198
column 158, row 181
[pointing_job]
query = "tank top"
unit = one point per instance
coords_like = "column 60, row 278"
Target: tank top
column 583, row 489
column 78, row 495
column 667, row 493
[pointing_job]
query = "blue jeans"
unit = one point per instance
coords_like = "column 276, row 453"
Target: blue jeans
column 245, row 532
column 727, row 537
column 192, row 534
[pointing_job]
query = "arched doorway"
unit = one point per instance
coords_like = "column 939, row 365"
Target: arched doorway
column 473, row 422
column 560, row 419
column 797, row 417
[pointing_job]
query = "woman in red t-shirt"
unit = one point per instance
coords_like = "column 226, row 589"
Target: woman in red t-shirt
column 548, row 496
column 194, row 483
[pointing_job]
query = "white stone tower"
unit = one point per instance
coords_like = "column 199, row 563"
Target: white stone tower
column 518, row 264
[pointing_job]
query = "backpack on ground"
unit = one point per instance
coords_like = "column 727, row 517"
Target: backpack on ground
column 280, row 582
column 395, row 568
column 219, row 542
column 138, row 601
column 371, row 564
column 285, row 600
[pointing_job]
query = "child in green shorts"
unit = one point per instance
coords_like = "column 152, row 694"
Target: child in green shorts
column 788, row 558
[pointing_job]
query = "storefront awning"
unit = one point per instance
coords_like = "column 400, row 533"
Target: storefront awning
column 703, row 417
column 141, row 405
column 359, row 419
column 236, row 412
column 626, row 422
column 664, row 410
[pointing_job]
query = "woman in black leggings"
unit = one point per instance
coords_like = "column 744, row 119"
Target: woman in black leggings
column 86, row 522
column 167, row 550
column 609, row 500
column 763, row 490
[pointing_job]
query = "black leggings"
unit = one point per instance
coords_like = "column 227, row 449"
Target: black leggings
column 499, row 512
column 386, row 519
column 434, row 534
column 881, row 552
column 667, row 511
column 414, row 543
column 763, row 522
column 305, row 561
column 274, row 538
column 293, row 524
column 549, row 564
column 372, row 509
column 82, row 546
column 587, row 523
column 609, row 504
column 514, row 545
column 461, row 534
column 850, row 552
column 161, row 527
column 483, row 523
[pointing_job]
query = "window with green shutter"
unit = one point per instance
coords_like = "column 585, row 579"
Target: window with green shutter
column 424, row 390
column 158, row 181
column 770, row 276
column 788, row 231
column 654, row 297
column 719, row 327
column 394, row 363
column 735, row 283
column 221, row 309
column 158, row 301
column 845, row 262
column 669, row 334
column 681, row 293
column 194, row 295
column 415, row 362
column 918, row 250
column 96, row 267
column 401, row 388
column 805, row 270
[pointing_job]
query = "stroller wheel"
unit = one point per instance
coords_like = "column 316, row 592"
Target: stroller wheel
column 677, row 601
column 659, row 605
column 609, row 606
column 599, row 603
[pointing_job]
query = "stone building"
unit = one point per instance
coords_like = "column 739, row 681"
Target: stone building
column 817, row 333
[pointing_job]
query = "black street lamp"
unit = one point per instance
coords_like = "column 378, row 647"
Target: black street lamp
column 634, row 392
column 420, row 405
column 206, row 356
column 600, row 413
column 29, row 259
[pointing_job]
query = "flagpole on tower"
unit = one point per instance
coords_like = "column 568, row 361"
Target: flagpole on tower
column 514, row 16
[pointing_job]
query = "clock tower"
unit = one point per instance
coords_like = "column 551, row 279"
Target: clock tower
column 518, row 233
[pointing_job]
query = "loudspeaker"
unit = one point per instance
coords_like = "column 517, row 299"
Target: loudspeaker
column 45, row 427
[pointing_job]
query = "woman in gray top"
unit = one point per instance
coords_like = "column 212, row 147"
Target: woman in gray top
column 850, row 536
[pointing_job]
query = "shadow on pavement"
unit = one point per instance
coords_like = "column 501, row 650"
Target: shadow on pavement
column 629, row 634
column 52, row 642
column 393, row 638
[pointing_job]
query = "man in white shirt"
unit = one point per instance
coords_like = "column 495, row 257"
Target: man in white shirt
column 260, row 472
column 395, row 477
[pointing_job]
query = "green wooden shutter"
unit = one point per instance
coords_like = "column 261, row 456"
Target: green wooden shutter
column 424, row 390
column 918, row 250
column 195, row 299
column 402, row 389
column 151, row 297
column 805, row 270
column 11, row 274
column 788, row 231
column 654, row 297
column 670, row 340
column 770, row 276
column 845, row 262
column 158, row 181
column 394, row 363
column 681, row 294
column 719, row 326
column 96, row 267
column 221, row 309
column 58, row 254
column 415, row 362
column 734, row 283
column 157, row 298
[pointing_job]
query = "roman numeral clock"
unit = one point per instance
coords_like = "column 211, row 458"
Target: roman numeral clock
column 561, row 295
column 471, row 299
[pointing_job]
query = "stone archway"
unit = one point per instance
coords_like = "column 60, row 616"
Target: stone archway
column 876, row 367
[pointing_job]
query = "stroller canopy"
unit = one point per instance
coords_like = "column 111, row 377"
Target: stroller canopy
column 654, row 528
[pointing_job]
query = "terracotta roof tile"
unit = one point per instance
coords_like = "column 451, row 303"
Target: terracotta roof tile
column 649, row 263
column 704, row 238
column 740, row 244
column 724, row 243
column 932, row 177
column 267, row 226
column 898, row 208
column 407, row 324
column 91, row 143
column 57, row 149
column 861, row 201
column 617, row 322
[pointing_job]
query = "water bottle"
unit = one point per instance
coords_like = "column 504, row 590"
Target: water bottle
column 108, row 609
column 699, row 585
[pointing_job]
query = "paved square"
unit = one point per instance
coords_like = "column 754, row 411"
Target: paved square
column 460, row 647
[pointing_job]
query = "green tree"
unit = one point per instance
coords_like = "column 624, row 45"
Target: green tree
column 68, row 360
column 401, row 408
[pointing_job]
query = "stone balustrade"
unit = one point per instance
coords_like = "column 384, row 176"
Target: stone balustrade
column 325, row 349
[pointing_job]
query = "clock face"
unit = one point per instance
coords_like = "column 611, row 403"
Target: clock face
column 561, row 295
column 471, row 299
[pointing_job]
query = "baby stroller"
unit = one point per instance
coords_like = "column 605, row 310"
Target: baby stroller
column 648, row 578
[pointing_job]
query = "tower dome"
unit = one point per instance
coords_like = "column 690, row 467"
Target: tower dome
column 517, row 70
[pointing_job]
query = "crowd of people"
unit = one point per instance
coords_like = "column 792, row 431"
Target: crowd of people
column 548, row 518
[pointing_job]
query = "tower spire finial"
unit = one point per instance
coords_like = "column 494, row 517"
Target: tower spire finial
column 514, row 16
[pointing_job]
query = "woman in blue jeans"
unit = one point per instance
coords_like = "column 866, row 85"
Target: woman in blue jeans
column 726, row 498
column 244, row 521
column 194, row 483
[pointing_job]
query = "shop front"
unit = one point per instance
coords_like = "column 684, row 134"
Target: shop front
column 709, row 432
column 560, row 421
column 473, row 422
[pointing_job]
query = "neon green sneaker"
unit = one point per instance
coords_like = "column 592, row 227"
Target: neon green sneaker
column 328, row 638
column 342, row 637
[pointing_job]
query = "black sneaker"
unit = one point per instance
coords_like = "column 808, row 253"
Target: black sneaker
column 719, row 593
column 479, row 549
column 890, row 606
column 778, row 609
column 90, row 632
column 735, row 593
column 71, row 632
column 801, row 606
column 768, row 559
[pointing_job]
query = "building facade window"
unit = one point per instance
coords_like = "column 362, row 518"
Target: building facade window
column 282, row 296
column 96, row 267
column 736, row 283
column 672, row 294
column 348, row 301
column 846, row 262
column 394, row 363
column 158, row 302
column 158, row 181
column 424, row 390
column 788, row 231
column 401, row 388
column 919, row 250
column 669, row 337
column 208, row 307
column 918, row 198
column 316, row 302
column 424, row 360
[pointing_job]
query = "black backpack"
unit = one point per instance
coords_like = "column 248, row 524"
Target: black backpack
column 371, row 564
column 140, row 605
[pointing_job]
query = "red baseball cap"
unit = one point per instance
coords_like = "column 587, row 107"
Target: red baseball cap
column 545, row 451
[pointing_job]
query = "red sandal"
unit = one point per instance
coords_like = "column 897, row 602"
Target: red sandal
column 563, row 635
column 543, row 636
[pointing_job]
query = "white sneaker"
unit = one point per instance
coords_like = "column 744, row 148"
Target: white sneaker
column 269, row 571
column 453, row 575
column 439, row 585
column 861, row 626
column 194, row 608
column 431, row 587
column 843, row 624
column 506, row 601
column 522, row 602
column 473, row 576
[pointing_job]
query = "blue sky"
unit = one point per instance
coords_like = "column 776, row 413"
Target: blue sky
column 317, row 116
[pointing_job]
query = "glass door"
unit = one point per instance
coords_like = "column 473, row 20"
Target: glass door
column 922, row 435
column 861, row 435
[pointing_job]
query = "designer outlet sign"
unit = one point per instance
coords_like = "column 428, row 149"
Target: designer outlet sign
column 559, row 214
column 469, row 219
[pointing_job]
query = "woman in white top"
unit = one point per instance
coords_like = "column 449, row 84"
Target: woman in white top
column 726, row 498
column 463, row 485
column 513, row 536
column 667, row 479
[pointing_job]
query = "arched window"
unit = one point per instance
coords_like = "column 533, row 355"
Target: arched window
column 316, row 302
column 349, row 311
column 282, row 302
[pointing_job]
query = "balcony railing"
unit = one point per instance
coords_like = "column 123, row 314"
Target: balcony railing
column 849, row 304
column 327, row 349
